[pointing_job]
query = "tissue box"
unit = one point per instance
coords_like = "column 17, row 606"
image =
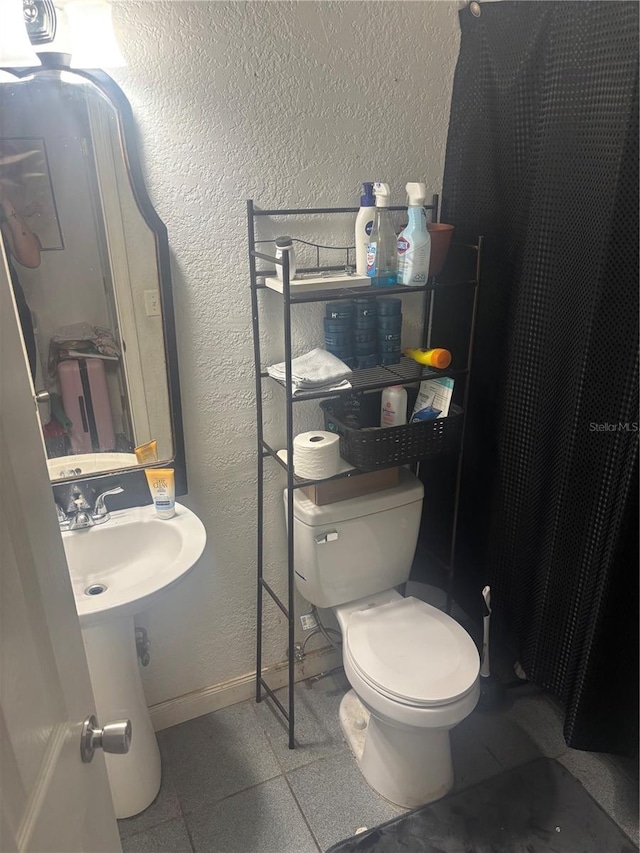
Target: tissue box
column 333, row 491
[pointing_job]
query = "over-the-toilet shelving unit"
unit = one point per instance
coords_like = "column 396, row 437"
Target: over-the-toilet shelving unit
column 456, row 275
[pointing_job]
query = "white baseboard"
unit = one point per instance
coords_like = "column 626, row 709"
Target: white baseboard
column 217, row 696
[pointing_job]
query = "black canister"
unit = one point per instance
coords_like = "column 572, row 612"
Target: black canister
column 333, row 327
column 362, row 324
column 339, row 310
column 388, row 305
column 363, row 362
column 365, row 308
column 390, row 321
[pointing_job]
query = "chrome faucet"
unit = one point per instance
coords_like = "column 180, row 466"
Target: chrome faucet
column 80, row 516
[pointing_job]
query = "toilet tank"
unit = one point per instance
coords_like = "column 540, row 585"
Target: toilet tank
column 354, row 548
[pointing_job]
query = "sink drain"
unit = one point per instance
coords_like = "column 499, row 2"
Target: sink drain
column 95, row 589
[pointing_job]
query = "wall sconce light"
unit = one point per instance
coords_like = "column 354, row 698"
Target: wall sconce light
column 16, row 51
column 76, row 33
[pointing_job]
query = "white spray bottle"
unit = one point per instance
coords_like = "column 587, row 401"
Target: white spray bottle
column 414, row 244
column 364, row 225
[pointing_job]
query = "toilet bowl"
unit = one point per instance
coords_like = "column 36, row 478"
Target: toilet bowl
column 413, row 669
column 414, row 672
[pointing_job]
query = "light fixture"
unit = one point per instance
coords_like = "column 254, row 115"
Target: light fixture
column 16, row 51
column 76, row 33
column 94, row 40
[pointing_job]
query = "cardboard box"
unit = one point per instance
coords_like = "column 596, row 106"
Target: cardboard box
column 333, row 491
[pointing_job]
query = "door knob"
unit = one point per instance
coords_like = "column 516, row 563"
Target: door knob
column 114, row 737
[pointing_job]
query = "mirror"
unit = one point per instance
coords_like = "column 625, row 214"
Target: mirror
column 88, row 261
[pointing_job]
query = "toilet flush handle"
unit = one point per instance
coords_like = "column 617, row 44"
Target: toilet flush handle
column 329, row 536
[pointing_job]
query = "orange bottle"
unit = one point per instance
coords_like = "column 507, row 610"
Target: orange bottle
column 439, row 358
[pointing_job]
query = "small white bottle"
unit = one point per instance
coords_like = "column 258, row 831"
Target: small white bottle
column 364, row 224
column 285, row 244
column 393, row 409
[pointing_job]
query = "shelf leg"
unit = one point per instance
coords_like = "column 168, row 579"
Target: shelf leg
column 259, row 436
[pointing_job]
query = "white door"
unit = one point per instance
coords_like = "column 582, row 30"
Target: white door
column 51, row 802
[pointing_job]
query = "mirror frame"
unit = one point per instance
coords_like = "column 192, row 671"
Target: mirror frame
column 133, row 480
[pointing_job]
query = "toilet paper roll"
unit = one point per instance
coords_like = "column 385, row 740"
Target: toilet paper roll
column 316, row 455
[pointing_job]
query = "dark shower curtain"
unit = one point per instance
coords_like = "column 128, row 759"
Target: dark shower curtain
column 542, row 159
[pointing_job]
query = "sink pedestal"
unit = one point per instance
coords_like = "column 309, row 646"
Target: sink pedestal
column 113, row 665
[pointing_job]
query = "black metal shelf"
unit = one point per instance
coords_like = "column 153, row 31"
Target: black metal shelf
column 461, row 272
column 313, row 211
column 301, row 484
column 406, row 372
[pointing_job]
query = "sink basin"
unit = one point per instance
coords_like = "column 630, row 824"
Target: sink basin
column 123, row 564
column 118, row 569
column 89, row 463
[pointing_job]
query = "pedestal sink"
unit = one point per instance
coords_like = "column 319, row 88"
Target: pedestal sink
column 118, row 569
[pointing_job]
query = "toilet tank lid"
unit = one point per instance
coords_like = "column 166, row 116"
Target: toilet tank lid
column 409, row 490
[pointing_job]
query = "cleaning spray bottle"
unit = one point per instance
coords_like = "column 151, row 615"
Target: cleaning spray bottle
column 414, row 244
column 382, row 251
column 364, row 226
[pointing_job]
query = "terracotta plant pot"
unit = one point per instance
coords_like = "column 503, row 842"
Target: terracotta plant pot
column 440, row 241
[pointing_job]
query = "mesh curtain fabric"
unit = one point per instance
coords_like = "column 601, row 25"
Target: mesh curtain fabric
column 542, row 159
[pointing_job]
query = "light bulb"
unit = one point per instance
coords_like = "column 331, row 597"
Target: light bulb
column 94, row 40
column 16, row 50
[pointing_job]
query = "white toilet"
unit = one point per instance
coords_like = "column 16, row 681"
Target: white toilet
column 413, row 669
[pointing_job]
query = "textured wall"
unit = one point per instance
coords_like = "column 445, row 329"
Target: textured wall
column 293, row 105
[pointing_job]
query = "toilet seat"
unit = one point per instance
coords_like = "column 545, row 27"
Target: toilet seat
column 412, row 653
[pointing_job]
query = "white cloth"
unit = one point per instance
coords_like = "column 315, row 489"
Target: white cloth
column 317, row 370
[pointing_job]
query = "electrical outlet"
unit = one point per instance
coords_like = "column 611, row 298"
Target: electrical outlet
column 152, row 303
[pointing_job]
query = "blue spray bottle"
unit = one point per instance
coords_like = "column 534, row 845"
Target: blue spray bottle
column 382, row 252
column 414, row 244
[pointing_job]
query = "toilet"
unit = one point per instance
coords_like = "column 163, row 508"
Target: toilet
column 413, row 669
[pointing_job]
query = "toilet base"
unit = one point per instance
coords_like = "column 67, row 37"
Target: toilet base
column 410, row 767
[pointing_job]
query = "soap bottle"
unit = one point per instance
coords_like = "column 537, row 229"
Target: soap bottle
column 414, row 244
column 382, row 251
column 285, row 244
column 393, row 408
column 364, row 224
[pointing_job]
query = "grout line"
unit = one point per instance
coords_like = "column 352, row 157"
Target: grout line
column 188, row 831
column 304, row 817
column 150, row 827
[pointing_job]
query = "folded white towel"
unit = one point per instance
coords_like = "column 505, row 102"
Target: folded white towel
column 317, row 370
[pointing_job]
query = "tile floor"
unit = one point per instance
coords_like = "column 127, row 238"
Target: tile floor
column 230, row 785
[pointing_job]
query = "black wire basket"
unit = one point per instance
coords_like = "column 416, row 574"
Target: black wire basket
column 371, row 447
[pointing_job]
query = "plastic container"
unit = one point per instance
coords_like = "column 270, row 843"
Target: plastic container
column 440, row 358
column 339, row 310
column 367, row 348
column 390, row 345
column 370, row 447
column 363, row 337
column 364, row 362
column 393, row 406
column 387, row 358
column 333, row 326
column 441, row 235
column 389, row 306
column 365, row 308
column 285, row 244
column 414, row 244
column 338, row 339
column 382, row 249
column 363, row 323
column 364, row 226
column 389, row 321
column 340, row 352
